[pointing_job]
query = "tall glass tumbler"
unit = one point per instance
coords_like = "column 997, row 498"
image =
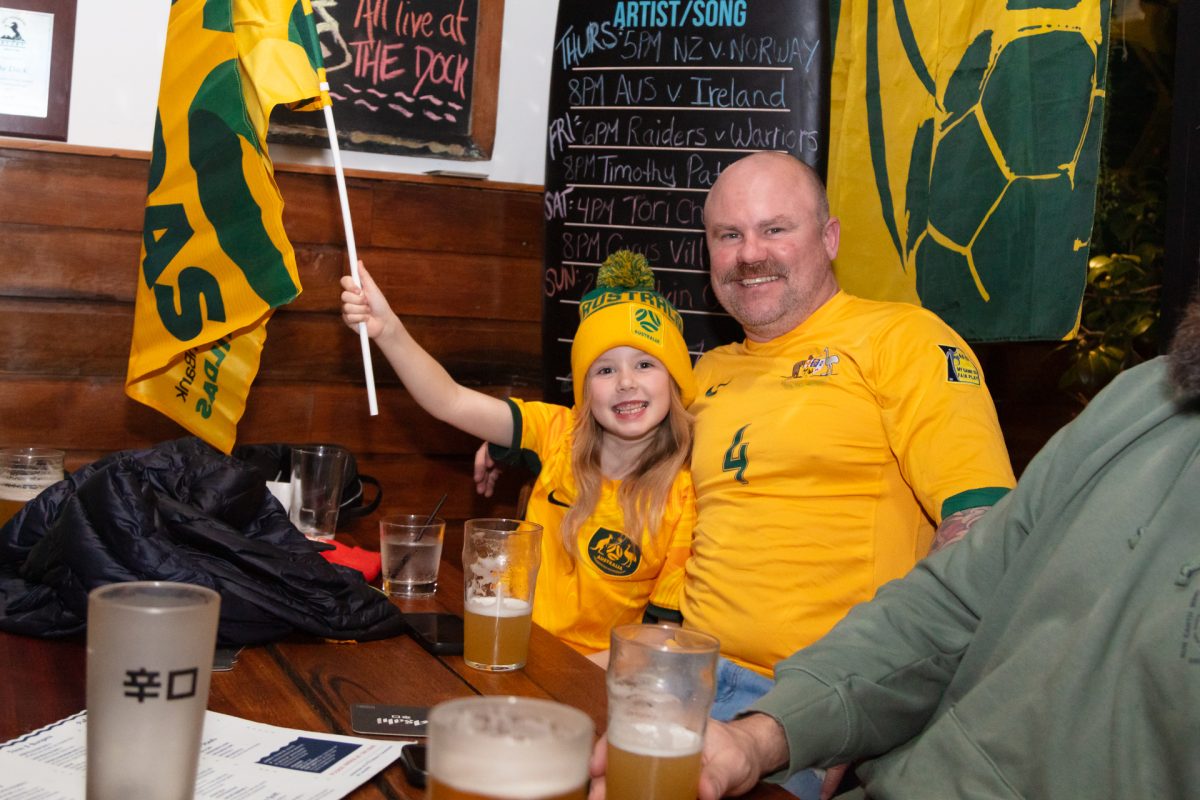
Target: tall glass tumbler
column 500, row 565
column 508, row 748
column 149, row 659
column 24, row 473
column 318, row 474
column 661, row 681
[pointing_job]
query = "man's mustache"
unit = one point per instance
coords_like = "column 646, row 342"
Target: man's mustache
column 757, row 269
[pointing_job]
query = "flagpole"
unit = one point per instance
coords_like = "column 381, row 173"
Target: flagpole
column 363, row 339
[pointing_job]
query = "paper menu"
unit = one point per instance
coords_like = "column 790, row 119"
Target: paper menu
column 238, row 758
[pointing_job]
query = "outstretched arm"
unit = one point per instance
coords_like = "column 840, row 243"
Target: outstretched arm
column 429, row 384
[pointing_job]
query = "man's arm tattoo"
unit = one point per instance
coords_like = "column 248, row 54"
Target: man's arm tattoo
column 955, row 526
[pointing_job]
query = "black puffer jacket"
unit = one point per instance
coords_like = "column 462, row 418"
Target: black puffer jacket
column 179, row 511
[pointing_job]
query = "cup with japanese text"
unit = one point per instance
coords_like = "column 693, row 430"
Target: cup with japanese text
column 661, row 681
column 149, row 659
column 24, row 473
column 508, row 748
column 410, row 548
column 318, row 474
column 500, row 565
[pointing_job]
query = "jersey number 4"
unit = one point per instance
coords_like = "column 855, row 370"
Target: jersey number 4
column 736, row 459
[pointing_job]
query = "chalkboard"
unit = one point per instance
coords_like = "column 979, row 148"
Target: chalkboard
column 649, row 101
column 413, row 77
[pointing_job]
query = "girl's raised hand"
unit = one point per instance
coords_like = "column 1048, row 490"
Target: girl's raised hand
column 366, row 305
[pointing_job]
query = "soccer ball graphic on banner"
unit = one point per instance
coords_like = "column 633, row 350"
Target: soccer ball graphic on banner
column 1001, row 185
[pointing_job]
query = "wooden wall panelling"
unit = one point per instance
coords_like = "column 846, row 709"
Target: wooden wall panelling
column 482, row 221
column 71, row 190
column 460, row 261
column 82, row 338
column 71, row 263
column 94, row 414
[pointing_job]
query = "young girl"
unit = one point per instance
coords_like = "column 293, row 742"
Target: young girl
column 613, row 495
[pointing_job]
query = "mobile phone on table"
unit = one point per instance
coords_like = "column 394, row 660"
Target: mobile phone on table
column 412, row 758
column 440, row 634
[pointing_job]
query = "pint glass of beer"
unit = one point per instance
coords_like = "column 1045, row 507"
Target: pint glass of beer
column 24, row 472
column 508, row 748
column 661, row 682
column 500, row 565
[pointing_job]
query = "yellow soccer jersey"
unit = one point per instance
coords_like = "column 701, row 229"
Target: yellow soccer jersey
column 616, row 575
column 823, row 460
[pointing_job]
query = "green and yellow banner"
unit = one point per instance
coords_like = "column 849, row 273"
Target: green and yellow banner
column 964, row 150
column 215, row 260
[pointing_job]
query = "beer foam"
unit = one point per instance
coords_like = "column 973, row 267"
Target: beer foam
column 496, row 606
column 485, row 781
column 516, row 764
column 664, row 740
column 20, row 494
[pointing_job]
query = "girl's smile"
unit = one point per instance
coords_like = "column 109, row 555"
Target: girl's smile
column 629, row 393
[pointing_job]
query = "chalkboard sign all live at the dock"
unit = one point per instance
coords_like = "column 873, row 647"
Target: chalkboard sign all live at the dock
column 649, row 101
column 415, row 77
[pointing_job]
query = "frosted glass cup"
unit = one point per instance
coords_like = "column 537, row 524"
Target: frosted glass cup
column 318, row 474
column 500, row 564
column 410, row 547
column 24, row 473
column 661, row 681
column 149, row 660
column 498, row 748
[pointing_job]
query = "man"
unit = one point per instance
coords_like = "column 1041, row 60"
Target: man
column 1054, row 653
column 829, row 443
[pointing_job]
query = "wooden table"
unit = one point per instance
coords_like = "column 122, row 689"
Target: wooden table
column 310, row 684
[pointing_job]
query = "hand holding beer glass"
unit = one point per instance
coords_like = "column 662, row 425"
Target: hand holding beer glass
column 500, row 565
column 661, row 682
column 508, row 748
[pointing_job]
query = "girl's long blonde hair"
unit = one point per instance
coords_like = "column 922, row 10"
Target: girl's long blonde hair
column 644, row 490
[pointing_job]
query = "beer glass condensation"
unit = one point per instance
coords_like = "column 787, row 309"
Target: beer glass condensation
column 508, row 748
column 24, row 473
column 661, row 681
column 500, row 564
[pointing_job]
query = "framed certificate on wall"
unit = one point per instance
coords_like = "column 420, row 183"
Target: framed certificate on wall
column 37, row 42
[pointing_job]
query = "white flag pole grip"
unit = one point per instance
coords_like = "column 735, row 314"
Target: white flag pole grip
column 363, row 339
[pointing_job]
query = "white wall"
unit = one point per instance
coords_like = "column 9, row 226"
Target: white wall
column 118, row 59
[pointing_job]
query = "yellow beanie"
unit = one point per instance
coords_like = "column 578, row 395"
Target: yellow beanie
column 624, row 309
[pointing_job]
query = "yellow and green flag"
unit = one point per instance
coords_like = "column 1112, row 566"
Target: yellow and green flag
column 964, row 150
column 215, row 260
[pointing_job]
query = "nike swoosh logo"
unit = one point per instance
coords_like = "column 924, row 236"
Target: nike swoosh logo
column 556, row 502
column 712, row 390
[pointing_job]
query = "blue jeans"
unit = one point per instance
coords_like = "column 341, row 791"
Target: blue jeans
column 737, row 689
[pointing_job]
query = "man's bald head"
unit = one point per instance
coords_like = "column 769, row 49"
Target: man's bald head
column 747, row 168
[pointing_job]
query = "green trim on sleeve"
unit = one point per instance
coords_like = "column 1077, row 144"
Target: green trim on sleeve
column 513, row 455
column 973, row 498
